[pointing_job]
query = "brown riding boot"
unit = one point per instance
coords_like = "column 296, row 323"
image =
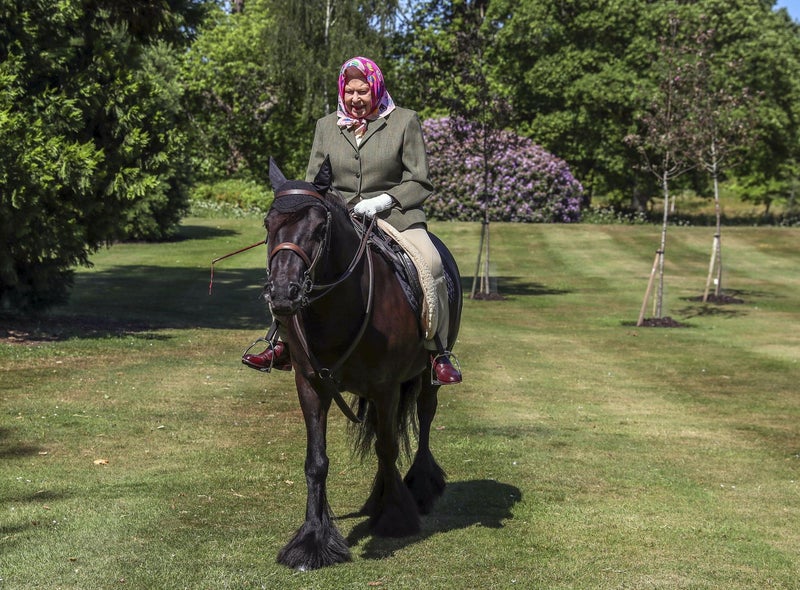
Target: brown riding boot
column 274, row 357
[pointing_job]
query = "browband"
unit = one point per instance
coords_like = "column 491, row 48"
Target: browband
column 298, row 191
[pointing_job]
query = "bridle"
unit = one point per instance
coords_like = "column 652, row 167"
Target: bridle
column 308, row 287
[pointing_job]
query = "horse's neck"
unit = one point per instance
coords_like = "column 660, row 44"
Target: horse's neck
column 353, row 289
column 344, row 246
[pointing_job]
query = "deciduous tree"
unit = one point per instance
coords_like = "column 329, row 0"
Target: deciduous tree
column 259, row 77
column 572, row 73
column 722, row 128
column 666, row 142
column 453, row 64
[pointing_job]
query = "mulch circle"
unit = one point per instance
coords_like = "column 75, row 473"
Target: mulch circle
column 721, row 299
column 665, row 322
column 488, row 296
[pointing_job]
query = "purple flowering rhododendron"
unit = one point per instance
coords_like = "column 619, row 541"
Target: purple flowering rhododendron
column 523, row 182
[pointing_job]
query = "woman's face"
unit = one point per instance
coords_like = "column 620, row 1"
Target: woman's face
column 357, row 95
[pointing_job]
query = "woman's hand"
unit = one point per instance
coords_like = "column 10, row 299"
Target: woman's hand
column 370, row 207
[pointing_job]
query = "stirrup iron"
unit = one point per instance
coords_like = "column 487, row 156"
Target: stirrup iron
column 270, row 346
column 453, row 361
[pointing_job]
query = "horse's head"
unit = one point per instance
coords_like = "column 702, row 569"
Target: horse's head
column 298, row 228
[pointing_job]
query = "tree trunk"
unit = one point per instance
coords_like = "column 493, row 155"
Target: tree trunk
column 718, row 211
column 662, row 249
column 487, row 287
column 716, row 251
column 328, row 23
column 640, row 321
column 478, row 265
column 711, row 265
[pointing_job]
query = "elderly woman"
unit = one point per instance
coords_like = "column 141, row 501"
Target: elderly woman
column 380, row 167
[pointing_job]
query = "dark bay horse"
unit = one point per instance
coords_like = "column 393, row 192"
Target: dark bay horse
column 349, row 327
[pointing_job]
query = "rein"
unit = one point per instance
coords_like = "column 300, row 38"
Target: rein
column 362, row 248
column 323, row 373
column 326, row 287
column 327, row 373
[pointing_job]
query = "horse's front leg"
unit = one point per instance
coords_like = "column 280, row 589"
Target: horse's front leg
column 392, row 509
column 318, row 543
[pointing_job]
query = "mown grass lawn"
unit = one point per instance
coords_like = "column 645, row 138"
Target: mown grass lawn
column 582, row 452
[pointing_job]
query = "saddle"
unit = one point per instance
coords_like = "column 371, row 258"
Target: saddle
column 412, row 273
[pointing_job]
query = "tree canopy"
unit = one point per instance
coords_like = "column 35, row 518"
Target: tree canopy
column 260, row 75
column 577, row 74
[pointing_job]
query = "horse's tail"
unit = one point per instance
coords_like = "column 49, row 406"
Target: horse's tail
column 363, row 433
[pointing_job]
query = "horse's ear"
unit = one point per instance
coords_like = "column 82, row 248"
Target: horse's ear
column 276, row 177
column 322, row 181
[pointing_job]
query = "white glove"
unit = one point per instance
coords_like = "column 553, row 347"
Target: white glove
column 370, row 207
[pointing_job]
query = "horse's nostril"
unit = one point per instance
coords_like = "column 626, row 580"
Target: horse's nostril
column 294, row 290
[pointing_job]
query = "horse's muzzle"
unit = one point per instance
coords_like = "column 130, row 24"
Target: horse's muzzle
column 286, row 299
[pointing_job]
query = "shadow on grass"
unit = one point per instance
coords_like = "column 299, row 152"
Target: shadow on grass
column 176, row 297
column 141, row 299
column 201, row 232
column 54, row 328
column 482, row 502
column 728, row 306
column 9, row 532
column 512, row 286
column 137, row 300
column 38, row 497
column 709, row 310
column 10, row 450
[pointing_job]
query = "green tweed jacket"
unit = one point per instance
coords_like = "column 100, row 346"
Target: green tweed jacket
column 391, row 159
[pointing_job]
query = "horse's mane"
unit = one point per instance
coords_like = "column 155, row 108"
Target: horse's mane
column 336, row 201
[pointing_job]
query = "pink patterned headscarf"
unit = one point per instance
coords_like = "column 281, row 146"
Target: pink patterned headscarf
column 382, row 101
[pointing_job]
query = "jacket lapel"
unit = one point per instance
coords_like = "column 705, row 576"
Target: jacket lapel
column 350, row 137
column 371, row 129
